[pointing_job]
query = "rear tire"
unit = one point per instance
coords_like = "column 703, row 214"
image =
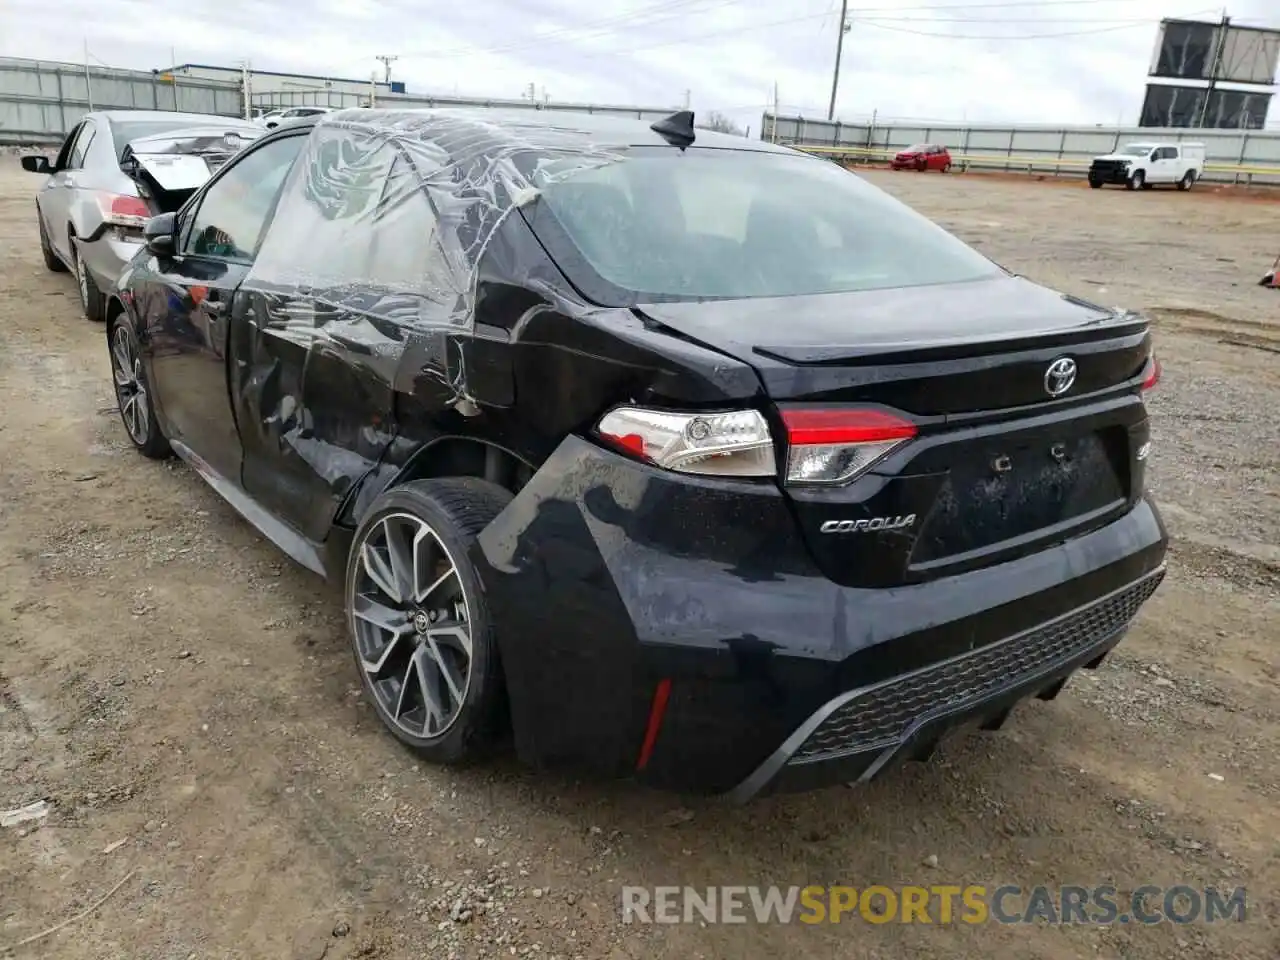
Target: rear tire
column 418, row 620
column 133, row 395
column 946, row 167
column 92, row 302
column 51, row 261
column 1188, row 179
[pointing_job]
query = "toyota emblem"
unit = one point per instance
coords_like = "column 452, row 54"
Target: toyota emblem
column 1060, row 376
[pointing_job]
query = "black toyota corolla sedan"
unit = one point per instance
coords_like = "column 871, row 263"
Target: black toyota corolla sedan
column 675, row 455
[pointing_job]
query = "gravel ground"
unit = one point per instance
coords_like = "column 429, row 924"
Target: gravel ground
column 182, row 696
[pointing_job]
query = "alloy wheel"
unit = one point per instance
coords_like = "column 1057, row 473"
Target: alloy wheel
column 412, row 625
column 131, row 392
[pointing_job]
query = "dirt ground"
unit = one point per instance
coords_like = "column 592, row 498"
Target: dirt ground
column 184, row 698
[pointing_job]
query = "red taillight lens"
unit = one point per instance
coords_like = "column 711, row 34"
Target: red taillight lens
column 1153, row 373
column 836, row 446
column 123, row 211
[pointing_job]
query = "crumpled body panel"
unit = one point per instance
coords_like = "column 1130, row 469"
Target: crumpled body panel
column 365, row 284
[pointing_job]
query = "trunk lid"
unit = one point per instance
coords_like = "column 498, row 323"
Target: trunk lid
column 1000, row 465
column 171, row 166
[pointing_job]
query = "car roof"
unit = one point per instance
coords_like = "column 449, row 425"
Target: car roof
column 514, row 128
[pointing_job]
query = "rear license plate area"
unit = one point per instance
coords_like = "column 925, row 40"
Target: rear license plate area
column 1000, row 494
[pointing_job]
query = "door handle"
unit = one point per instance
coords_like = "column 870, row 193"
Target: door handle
column 215, row 308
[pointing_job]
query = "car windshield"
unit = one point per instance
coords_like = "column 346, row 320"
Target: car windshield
column 667, row 225
column 1134, row 150
column 125, row 131
column 917, row 148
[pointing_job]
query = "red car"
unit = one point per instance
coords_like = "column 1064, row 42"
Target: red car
column 922, row 156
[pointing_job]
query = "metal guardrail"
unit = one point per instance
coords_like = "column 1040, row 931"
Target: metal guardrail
column 1030, row 164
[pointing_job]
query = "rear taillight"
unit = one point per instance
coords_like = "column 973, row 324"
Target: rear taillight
column 123, row 211
column 836, row 446
column 733, row 444
column 1153, row 373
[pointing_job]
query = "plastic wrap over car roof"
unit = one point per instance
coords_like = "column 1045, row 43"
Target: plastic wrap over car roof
column 387, row 213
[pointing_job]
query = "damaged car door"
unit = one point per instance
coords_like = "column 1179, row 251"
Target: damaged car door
column 335, row 291
column 195, row 303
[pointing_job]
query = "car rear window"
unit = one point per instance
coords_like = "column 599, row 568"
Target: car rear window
column 124, row 131
column 662, row 224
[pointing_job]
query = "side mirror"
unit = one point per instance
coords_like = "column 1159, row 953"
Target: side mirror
column 160, row 235
column 1155, row 155
column 37, row 164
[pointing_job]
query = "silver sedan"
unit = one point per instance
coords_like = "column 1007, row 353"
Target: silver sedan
column 116, row 170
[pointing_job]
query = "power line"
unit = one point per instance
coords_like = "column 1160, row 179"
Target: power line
column 1010, row 36
column 670, row 9
column 666, row 10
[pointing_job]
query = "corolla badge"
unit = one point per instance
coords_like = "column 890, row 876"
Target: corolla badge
column 864, row 526
column 1060, row 376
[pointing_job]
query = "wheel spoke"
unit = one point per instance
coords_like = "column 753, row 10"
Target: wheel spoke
column 453, row 680
column 432, row 708
column 400, row 551
column 379, row 572
column 424, row 542
column 386, row 618
column 458, row 634
column 124, row 362
column 375, row 667
column 425, row 594
column 130, row 411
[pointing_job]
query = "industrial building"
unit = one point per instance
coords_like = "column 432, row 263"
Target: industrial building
column 270, row 88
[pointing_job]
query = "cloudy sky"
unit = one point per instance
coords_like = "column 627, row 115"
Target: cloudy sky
column 1069, row 61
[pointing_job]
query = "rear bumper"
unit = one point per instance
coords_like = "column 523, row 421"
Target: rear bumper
column 859, row 734
column 106, row 258
column 606, row 578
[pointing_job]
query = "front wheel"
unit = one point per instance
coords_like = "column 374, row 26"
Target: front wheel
column 1096, row 184
column 1138, row 181
column 51, row 261
column 132, row 395
column 418, row 619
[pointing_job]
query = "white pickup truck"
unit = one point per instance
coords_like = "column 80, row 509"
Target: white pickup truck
column 1143, row 165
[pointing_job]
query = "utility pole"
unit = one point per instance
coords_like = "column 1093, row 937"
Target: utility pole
column 373, row 89
column 387, row 61
column 773, row 135
column 1218, row 49
column 845, row 27
column 88, row 84
column 246, row 88
column 688, row 95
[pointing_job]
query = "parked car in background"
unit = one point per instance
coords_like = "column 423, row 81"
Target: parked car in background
column 1140, row 166
column 922, row 156
column 114, row 171
column 275, row 118
column 636, row 441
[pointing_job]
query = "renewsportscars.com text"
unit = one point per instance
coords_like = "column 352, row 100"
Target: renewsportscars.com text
column 937, row 904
